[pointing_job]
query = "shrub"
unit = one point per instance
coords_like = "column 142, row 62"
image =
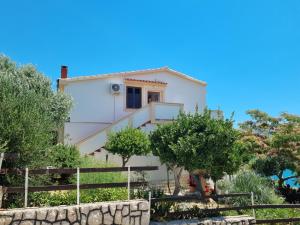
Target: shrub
column 57, row 198
column 63, row 156
column 246, row 182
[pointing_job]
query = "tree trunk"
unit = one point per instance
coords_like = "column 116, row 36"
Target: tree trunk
column 177, row 174
column 280, row 180
column 215, row 186
column 168, row 180
column 124, row 161
column 199, row 186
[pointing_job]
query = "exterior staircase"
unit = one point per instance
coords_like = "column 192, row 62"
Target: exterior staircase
column 145, row 118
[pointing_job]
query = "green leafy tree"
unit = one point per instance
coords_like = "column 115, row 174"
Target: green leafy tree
column 198, row 142
column 128, row 142
column 275, row 141
column 31, row 113
column 63, row 156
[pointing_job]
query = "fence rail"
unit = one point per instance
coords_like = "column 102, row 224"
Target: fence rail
column 74, row 171
column 234, row 208
column 76, row 186
column 196, row 197
column 274, row 221
column 193, row 212
column 73, row 187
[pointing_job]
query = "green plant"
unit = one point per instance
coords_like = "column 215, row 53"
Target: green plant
column 276, row 141
column 247, row 182
column 128, row 142
column 197, row 141
column 31, row 114
column 63, row 156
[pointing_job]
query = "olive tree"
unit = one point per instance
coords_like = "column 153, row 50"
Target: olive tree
column 128, row 142
column 31, row 113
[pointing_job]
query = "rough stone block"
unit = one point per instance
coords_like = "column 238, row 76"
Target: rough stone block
column 118, row 217
column 145, row 218
column 143, row 206
column 112, row 209
column 95, row 218
column 126, row 220
column 125, row 211
column 108, row 219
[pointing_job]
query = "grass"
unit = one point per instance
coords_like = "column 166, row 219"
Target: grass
column 109, row 177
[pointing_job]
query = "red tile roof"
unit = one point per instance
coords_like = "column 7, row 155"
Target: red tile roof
column 146, row 81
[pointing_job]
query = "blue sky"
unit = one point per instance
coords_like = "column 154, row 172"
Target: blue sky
column 247, row 51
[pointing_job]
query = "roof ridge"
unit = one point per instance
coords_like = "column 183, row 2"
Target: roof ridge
column 160, row 69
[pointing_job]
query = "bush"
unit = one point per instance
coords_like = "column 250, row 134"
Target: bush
column 246, row 182
column 56, row 198
column 63, row 156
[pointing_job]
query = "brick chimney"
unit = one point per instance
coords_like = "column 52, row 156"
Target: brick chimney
column 64, row 72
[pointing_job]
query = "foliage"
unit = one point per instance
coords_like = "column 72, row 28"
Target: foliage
column 56, row 198
column 31, row 113
column 128, row 142
column 271, row 165
column 196, row 141
column 247, row 182
column 64, row 156
column 276, row 141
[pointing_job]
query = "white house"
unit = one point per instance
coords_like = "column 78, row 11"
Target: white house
column 110, row 102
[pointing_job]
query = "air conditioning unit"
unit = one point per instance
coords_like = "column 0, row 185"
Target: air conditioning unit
column 115, row 89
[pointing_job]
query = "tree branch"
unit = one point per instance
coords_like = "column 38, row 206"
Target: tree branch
column 290, row 177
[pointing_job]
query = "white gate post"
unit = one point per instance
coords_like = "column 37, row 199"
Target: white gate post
column 150, row 203
column 26, row 188
column 252, row 203
column 78, row 186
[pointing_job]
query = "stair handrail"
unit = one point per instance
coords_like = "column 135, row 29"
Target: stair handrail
column 115, row 122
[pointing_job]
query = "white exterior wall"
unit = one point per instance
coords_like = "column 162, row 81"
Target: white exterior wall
column 79, row 130
column 179, row 90
column 93, row 101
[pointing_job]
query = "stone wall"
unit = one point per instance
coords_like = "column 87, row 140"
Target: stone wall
column 135, row 212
